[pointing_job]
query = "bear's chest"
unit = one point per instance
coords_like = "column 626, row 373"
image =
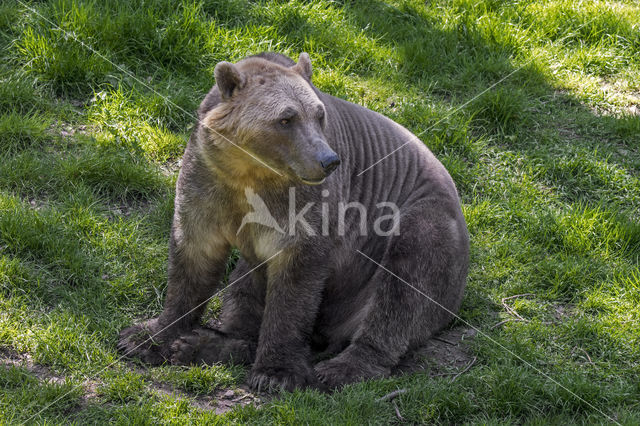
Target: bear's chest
column 256, row 226
column 258, row 243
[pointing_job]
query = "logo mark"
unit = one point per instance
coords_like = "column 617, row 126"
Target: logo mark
column 260, row 214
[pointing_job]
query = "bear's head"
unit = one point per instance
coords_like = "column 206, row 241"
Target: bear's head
column 267, row 123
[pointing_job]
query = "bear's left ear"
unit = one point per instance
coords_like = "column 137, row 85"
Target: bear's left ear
column 228, row 77
column 303, row 67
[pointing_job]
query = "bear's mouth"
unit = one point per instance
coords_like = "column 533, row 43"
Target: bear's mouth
column 312, row 181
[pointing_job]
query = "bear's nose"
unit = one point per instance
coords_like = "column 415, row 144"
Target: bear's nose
column 330, row 162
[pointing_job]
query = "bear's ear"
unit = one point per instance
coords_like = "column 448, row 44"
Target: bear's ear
column 228, row 77
column 303, row 67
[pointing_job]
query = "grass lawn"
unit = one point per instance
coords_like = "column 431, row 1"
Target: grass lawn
column 532, row 105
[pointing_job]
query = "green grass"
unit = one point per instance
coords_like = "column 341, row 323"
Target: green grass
column 547, row 163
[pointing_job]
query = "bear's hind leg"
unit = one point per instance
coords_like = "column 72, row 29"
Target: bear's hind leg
column 417, row 288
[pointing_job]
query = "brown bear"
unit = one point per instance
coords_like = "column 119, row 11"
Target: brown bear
column 342, row 272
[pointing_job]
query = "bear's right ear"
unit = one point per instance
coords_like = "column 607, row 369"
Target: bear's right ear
column 303, row 67
column 228, row 77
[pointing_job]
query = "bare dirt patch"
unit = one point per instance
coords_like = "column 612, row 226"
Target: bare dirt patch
column 220, row 401
column 65, row 129
column 11, row 358
column 446, row 353
column 560, row 312
column 622, row 94
column 230, row 398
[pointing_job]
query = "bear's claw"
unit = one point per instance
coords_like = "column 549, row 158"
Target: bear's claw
column 337, row 372
column 271, row 379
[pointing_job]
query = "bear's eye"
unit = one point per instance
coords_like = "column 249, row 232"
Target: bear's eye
column 287, row 116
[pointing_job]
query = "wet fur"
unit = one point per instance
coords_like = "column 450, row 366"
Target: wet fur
column 318, row 299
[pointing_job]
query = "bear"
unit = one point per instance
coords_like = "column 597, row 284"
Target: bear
column 328, row 298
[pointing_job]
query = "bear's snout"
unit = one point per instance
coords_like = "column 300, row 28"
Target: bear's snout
column 318, row 165
column 329, row 162
column 326, row 157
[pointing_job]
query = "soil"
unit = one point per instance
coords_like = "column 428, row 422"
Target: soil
column 446, row 354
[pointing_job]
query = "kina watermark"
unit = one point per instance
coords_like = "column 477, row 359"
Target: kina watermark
column 329, row 217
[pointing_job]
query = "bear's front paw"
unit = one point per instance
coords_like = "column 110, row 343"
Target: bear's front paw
column 284, row 378
column 185, row 350
column 200, row 346
column 146, row 341
column 208, row 346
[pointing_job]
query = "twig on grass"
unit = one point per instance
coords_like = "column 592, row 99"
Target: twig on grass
column 518, row 295
column 587, row 355
column 511, row 310
column 506, row 321
column 441, row 374
column 473, row 361
column 440, row 339
column 391, row 395
column 395, row 407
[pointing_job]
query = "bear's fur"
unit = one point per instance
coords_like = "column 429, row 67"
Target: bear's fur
column 315, row 292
